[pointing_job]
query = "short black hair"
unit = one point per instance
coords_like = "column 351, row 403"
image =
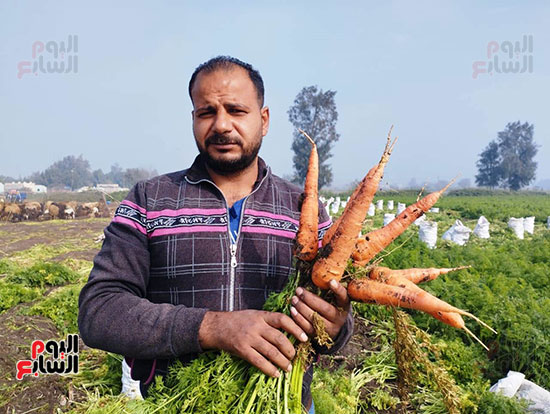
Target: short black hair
column 228, row 63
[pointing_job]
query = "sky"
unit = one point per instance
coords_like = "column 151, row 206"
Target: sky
column 410, row 64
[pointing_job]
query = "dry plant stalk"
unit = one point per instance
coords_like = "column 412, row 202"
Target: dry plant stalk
column 410, row 357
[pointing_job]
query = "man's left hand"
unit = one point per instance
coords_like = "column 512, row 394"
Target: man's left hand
column 305, row 303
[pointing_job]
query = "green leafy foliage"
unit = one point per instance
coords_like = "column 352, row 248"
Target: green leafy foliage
column 61, row 307
column 42, row 274
column 12, row 294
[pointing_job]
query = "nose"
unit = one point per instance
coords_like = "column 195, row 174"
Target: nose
column 222, row 123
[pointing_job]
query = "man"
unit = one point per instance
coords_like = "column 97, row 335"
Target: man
column 191, row 256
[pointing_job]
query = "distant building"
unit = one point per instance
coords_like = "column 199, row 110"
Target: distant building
column 110, row 188
column 1, row 188
column 25, row 187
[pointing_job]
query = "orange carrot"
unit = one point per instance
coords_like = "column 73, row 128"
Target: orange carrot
column 333, row 257
column 371, row 291
column 415, row 275
column 307, row 239
column 455, row 320
column 374, row 174
column 375, row 241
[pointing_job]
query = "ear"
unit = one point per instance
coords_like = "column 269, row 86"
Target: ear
column 265, row 120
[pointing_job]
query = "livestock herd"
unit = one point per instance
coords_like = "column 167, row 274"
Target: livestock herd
column 37, row 211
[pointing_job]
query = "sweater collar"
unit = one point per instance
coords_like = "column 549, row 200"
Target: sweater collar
column 198, row 171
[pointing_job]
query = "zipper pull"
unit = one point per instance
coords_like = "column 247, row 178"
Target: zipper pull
column 234, row 255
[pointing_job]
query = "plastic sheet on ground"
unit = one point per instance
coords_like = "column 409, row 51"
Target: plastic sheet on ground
column 380, row 205
column 515, row 385
column 516, row 224
column 335, row 207
column 427, row 232
column 529, row 224
column 434, row 210
column 482, row 228
column 458, row 233
column 390, row 204
column 401, row 207
column 388, row 217
column 548, row 222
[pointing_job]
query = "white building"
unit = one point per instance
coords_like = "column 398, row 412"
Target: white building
column 23, row 186
column 110, row 188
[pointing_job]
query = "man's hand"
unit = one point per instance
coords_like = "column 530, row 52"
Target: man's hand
column 254, row 336
column 305, row 303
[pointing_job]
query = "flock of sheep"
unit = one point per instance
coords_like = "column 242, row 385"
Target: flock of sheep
column 36, row 211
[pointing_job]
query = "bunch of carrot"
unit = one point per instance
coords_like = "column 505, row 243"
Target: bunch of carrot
column 382, row 286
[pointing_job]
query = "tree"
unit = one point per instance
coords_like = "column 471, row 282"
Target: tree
column 313, row 111
column 517, row 150
column 488, row 165
column 133, row 175
column 73, row 172
column 509, row 161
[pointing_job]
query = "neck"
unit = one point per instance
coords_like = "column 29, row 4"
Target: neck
column 236, row 185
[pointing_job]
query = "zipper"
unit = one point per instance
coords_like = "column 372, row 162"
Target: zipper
column 232, row 246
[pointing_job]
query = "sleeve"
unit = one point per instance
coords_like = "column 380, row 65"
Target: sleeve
column 114, row 314
column 346, row 332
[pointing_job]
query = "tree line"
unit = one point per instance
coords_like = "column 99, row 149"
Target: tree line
column 75, row 172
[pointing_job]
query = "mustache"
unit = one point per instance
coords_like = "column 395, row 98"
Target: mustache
column 221, row 139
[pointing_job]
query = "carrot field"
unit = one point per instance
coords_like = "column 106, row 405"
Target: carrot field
column 43, row 266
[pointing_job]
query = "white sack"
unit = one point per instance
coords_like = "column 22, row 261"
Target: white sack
column 380, row 205
column 516, row 385
column 529, row 224
column 390, row 204
column 458, row 233
column 434, row 210
column 335, row 206
column 420, row 220
column 371, row 210
column 482, row 228
column 402, row 206
column 548, row 222
column 516, row 224
column 130, row 387
column 388, row 217
column 427, row 232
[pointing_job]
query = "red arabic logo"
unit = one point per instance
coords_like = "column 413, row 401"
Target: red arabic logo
column 64, row 361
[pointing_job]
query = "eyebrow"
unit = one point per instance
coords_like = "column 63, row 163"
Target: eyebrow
column 228, row 106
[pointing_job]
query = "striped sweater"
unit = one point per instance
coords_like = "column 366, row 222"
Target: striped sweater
column 167, row 259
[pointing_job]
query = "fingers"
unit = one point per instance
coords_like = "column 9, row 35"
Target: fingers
column 304, row 323
column 340, row 293
column 282, row 321
column 306, row 303
column 259, row 361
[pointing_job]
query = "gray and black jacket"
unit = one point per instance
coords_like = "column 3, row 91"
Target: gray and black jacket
column 167, row 259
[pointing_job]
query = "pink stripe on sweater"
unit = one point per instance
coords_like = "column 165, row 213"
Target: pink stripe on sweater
column 180, row 230
column 270, row 215
column 133, row 205
column 186, row 212
column 263, row 230
column 326, row 223
column 130, row 223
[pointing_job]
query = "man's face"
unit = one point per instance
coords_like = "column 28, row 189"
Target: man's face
column 228, row 122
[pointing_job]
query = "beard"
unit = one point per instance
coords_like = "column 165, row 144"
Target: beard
column 229, row 166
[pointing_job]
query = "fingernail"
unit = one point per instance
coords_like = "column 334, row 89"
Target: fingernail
column 289, row 368
column 294, row 300
column 333, row 284
column 293, row 311
column 303, row 337
column 277, row 374
column 299, row 291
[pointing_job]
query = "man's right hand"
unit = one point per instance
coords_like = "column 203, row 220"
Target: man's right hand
column 254, row 336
